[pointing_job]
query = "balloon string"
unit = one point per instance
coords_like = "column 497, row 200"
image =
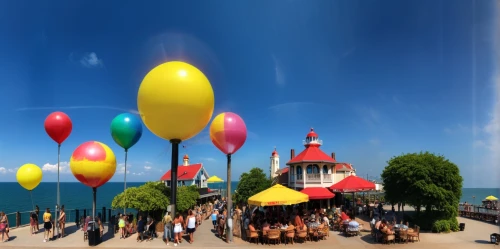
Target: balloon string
column 32, row 204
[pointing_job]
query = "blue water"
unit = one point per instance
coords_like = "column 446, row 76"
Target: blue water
column 74, row 195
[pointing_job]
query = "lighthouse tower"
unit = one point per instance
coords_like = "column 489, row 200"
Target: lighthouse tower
column 312, row 139
column 275, row 163
column 185, row 160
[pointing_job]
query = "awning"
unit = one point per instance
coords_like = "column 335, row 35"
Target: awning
column 352, row 184
column 318, row 193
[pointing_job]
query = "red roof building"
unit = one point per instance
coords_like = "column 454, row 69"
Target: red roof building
column 313, row 168
column 188, row 174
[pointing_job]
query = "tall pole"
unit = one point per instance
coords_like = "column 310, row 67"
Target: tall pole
column 94, row 192
column 174, row 164
column 125, row 183
column 58, row 198
column 229, row 223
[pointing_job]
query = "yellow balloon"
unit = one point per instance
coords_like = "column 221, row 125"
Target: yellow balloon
column 29, row 176
column 175, row 101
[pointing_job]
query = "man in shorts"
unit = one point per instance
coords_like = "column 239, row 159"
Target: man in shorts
column 214, row 218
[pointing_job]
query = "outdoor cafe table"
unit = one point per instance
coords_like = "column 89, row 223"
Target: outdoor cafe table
column 399, row 227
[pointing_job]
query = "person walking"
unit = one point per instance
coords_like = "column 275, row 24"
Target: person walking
column 167, row 230
column 191, row 225
column 177, row 229
column 47, row 224
column 37, row 212
column 214, row 218
column 62, row 221
column 4, row 226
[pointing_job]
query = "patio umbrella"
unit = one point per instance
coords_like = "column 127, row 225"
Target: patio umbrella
column 214, row 179
column 352, row 184
column 491, row 198
column 318, row 193
column 278, row 195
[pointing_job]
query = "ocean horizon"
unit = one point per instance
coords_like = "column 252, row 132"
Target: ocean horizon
column 75, row 195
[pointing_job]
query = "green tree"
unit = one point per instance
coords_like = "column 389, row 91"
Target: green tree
column 142, row 198
column 186, row 198
column 424, row 180
column 250, row 184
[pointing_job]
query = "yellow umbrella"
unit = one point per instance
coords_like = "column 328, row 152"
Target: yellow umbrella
column 491, row 198
column 278, row 195
column 214, row 179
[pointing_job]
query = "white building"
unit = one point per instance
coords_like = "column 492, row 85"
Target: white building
column 312, row 167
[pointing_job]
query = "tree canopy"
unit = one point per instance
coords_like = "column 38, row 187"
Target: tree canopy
column 186, row 197
column 250, row 184
column 424, row 180
column 156, row 196
column 143, row 198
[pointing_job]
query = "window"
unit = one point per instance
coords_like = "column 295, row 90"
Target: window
column 325, row 169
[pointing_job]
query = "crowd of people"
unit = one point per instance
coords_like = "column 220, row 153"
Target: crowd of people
column 48, row 224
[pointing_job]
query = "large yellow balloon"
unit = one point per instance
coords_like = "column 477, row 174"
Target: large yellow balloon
column 175, row 101
column 29, row 176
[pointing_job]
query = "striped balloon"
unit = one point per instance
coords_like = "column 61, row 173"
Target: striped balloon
column 228, row 132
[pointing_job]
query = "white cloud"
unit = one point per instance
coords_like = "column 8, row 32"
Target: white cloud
column 138, row 174
column 91, row 60
column 147, row 167
column 479, row 144
column 3, row 170
column 12, row 170
column 278, row 70
column 52, row 168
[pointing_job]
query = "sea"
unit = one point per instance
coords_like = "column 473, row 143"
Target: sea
column 75, row 195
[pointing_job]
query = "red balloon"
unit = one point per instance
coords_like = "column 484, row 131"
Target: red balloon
column 58, row 126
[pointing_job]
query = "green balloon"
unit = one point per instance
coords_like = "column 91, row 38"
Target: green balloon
column 126, row 130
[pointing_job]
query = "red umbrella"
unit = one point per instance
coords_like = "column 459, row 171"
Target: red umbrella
column 318, row 193
column 352, row 184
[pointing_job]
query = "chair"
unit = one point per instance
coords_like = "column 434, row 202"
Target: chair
column 313, row 233
column 289, row 236
column 85, row 236
column 302, row 235
column 386, row 238
column 274, row 235
column 264, row 236
column 252, row 235
column 326, row 232
column 414, row 235
column 403, row 235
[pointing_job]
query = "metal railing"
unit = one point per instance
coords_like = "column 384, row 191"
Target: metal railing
column 314, row 177
column 20, row 219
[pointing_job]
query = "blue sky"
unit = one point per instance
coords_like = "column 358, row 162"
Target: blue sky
column 374, row 78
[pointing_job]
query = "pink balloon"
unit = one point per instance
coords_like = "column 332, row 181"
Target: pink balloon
column 228, row 132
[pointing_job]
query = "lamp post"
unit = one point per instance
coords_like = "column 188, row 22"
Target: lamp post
column 228, row 133
column 58, row 126
column 175, row 101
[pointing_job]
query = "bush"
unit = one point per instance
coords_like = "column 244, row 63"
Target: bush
column 441, row 226
column 454, row 225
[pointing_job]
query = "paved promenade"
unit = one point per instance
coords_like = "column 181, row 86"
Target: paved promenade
column 476, row 235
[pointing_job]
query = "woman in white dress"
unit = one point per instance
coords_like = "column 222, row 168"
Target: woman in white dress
column 177, row 229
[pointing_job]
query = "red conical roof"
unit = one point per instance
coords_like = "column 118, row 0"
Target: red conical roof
column 186, row 157
column 312, row 133
column 275, row 153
